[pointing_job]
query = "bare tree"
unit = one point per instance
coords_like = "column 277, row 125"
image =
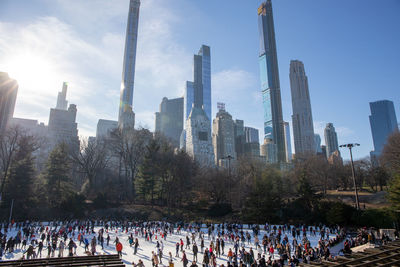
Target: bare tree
column 390, row 157
column 91, row 158
column 8, row 147
column 129, row 147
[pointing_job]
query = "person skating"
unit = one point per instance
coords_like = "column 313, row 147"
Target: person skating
column 135, row 246
column 184, row 259
column 71, row 246
column 118, row 247
column 140, row 264
column 206, row 259
column 154, row 259
column 30, row 252
column 177, row 249
column 61, row 248
column 195, row 250
column 40, row 248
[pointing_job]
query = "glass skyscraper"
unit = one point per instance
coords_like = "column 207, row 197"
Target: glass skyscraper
column 270, row 86
column 201, row 81
column 288, row 143
column 188, row 100
column 383, row 122
column 205, row 54
column 199, row 89
column 126, row 116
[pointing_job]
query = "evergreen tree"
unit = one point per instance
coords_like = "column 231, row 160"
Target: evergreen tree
column 264, row 201
column 394, row 191
column 57, row 176
column 148, row 181
column 306, row 193
column 21, row 177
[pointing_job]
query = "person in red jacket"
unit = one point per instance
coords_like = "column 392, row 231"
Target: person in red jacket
column 118, row 246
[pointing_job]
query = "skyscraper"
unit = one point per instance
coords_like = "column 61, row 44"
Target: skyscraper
column 8, row 96
column 223, row 137
column 303, row 128
column 288, row 143
column 269, row 76
column 331, row 140
column 62, row 127
column 383, row 123
column 188, row 100
column 62, row 102
column 126, row 117
column 317, row 141
column 169, row 119
column 104, row 128
column 240, row 138
column 205, row 54
column 268, row 150
column 201, row 79
column 251, row 135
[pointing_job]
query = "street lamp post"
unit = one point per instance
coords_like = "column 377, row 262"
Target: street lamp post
column 229, row 158
column 350, row 146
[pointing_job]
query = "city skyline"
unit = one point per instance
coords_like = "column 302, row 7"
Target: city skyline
column 36, row 106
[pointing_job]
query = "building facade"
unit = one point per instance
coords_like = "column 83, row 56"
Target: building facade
column 317, row 141
column 198, row 137
column 383, row 123
column 105, row 127
column 188, row 99
column 8, row 97
column 240, row 138
column 303, row 128
column 33, row 127
column 268, row 151
column 126, row 117
column 251, row 135
column 331, row 140
column 223, row 137
column 62, row 127
column 62, row 102
column 288, row 142
column 270, row 85
column 169, row 119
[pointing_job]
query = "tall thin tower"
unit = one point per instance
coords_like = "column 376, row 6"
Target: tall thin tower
column 270, row 86
column 126, row 118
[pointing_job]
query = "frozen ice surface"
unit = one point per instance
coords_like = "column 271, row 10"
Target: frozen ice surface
column 146, row 247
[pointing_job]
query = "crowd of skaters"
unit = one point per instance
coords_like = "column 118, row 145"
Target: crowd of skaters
column 209, row 245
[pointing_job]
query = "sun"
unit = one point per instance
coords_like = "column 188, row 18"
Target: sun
column 33, row 71
column 28, row 67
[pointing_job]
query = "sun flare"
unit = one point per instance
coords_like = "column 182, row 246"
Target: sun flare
column 33, row 72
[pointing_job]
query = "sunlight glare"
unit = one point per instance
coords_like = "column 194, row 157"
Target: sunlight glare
column 33, row 72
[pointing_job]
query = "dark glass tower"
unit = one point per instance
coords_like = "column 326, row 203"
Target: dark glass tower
column 269, row 75
column 126, row 118
column 383, row 123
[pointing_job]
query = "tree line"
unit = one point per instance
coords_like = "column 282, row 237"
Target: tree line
column 138, row 167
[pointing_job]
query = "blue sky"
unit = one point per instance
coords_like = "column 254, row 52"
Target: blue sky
column 350, row 50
